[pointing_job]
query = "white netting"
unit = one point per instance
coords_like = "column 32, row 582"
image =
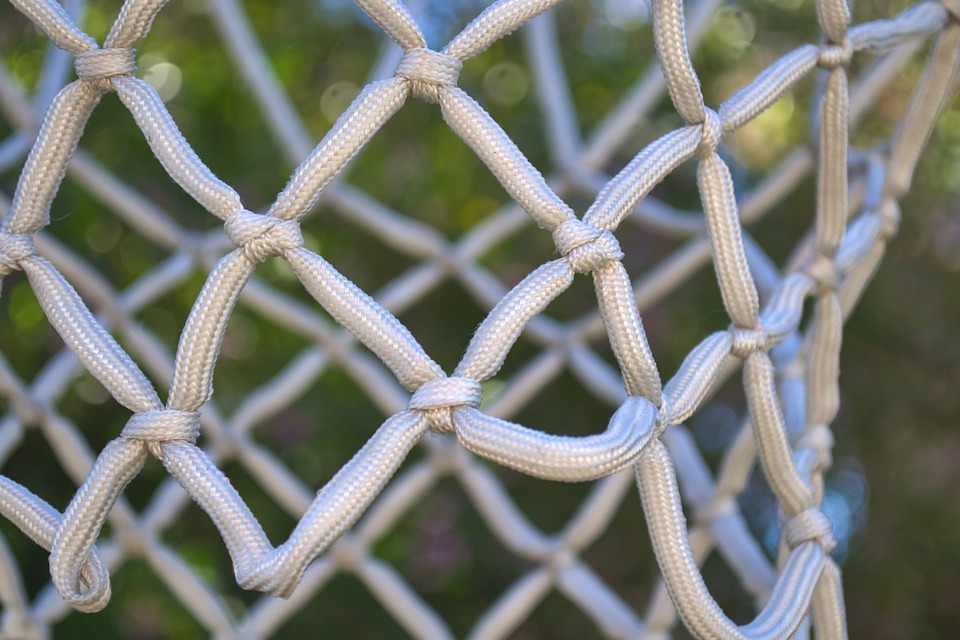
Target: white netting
column 786, row 368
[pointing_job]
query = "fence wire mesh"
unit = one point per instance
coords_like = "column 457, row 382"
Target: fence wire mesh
column 789, row 359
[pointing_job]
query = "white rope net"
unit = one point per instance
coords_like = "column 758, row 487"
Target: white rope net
column 789, row 366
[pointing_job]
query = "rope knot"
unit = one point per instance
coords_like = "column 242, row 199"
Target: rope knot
column 664, row 418
column 158, row 427
column 716, row 509
column 824, row 272
column 99, row 65
column 561, row 559
column 586, row 247
column 17, row 624
column 889, row 212
column 711, row 132
column 833, row 55
column 348, row 552
column 14, row 248
column 747, row 341
column 261, row 237
column 819, row 439
column 87, row 586
column 438, row 397
column 428, row 72
column 810, row 524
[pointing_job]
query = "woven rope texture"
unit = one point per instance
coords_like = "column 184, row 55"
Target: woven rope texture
column 788, row 360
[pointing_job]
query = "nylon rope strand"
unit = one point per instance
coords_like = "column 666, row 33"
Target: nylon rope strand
column 788, row 369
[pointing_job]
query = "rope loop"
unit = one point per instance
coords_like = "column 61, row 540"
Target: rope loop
column 833, row 55
column 428, row 72
column 99, row 65
column 810, row 524
column 14, row 248
column 89, row 590
column 438, row 397
column 261, row 237
column 711, row 133
column 586, row 247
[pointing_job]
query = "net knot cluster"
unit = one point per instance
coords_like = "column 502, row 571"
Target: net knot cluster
column 790, row 368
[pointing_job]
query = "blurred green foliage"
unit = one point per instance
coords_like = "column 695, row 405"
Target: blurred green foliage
column 901, row 345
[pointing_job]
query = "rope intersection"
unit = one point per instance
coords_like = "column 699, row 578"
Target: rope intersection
column 644, row 433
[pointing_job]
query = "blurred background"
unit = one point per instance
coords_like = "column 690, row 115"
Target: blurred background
column 894, row 491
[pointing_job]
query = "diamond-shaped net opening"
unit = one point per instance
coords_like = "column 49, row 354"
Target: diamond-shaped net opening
column 328, row 289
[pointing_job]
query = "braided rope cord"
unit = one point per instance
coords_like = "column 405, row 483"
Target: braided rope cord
column 788, row 370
